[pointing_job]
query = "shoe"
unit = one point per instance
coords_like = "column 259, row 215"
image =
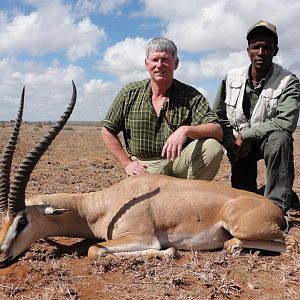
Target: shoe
column 295, row 204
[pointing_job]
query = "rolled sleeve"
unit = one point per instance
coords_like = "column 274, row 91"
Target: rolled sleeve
column 219, row 108
column 202, row 113
column 114, row 118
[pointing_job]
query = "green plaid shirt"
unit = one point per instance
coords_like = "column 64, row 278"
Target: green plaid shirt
column 144, row 132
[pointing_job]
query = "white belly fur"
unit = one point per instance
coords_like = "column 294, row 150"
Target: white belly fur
column 214, row 238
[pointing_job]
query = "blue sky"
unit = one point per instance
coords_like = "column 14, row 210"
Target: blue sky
column 101, row 46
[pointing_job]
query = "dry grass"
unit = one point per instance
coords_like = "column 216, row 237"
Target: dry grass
column 58, row 269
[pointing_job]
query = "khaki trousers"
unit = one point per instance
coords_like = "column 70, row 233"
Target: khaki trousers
column 200, row 159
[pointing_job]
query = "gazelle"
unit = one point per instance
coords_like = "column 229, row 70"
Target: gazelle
column 143, row 214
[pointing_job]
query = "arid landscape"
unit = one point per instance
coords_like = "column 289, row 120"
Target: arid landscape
column 57, row 268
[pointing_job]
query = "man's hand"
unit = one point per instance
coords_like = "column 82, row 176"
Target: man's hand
column 174, row 144
column 238, row 143
column 134, row 168
column 241, row 147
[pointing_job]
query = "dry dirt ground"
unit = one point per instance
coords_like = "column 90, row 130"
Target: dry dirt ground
column 59, row 269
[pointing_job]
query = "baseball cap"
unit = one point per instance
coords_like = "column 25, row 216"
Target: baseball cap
column 265, row 27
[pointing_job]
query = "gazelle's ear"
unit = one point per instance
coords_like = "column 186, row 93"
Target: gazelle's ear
column 50, row 210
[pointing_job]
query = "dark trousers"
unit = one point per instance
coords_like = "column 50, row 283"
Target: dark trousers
column 277, row 152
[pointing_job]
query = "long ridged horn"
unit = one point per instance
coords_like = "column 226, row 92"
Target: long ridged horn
column 16, row 199
column 7, row 157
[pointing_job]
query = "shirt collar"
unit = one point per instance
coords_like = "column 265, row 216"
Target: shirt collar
column 262, row 82
column 168, row 93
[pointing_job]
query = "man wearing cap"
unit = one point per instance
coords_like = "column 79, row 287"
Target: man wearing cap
column 259, row 108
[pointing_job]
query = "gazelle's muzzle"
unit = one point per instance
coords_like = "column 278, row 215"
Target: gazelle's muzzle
column 5, row 258
column 9, row 231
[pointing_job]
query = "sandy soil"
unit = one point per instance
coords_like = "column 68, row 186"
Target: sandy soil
column 59, row 269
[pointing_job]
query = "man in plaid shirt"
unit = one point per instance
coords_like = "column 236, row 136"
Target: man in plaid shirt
column 168, row 126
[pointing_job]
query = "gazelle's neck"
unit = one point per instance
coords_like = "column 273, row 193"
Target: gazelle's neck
column 81, row 216
column 82, row 203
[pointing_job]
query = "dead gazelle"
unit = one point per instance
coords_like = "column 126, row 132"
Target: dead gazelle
column 141, row 214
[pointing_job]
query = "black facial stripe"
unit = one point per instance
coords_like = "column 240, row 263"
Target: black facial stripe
column 22, row 224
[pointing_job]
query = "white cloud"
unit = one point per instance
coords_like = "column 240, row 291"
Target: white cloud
column 290, row 60
column 47, row 88
column 85, row 40
column 52, row 27
column 85, row 7
column 98, row 96
column 221, row 24
column 125, row 59
column 210, row 36
column 217, row 64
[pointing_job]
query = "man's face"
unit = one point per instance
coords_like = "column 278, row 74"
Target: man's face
column 261, row 51
column 161, row 66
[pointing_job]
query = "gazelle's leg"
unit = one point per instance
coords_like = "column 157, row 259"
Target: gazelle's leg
column 170, row 252
column 277, row 246
column 128, row 246
column 260, row 227
column 286, row 244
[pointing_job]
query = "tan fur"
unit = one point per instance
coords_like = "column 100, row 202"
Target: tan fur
column 147, row 213
column 6, row 223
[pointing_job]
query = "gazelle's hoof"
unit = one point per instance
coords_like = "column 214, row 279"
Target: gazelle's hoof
column 232, row 246
column 170, row 252
column 292, row 245
column 95, row 252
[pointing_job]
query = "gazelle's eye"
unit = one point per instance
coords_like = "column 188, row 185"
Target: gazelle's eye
column 22, row 224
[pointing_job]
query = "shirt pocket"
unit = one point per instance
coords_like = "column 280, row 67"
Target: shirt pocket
column 270, row 100
column 179, row 117
column 233, row 92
